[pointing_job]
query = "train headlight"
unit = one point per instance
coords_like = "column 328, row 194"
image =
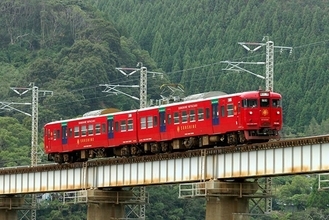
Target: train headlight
column 250, row 112
column 278, row 112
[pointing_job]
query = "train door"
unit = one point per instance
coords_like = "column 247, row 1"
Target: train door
column 64, row 133
column 48, row 139
column 162, row 116
column 215, row 115
column 110, row 133
column 238, row 119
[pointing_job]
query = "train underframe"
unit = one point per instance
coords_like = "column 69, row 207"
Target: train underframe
column 186, row 143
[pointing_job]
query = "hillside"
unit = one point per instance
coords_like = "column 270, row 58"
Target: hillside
column 189, row 39
column 70, row 47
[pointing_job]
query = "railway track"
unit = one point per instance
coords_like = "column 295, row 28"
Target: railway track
column 175, row 155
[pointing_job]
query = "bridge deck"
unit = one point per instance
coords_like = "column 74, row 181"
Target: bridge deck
column 272, row 159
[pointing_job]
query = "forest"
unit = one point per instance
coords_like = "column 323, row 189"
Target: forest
column 73, row 47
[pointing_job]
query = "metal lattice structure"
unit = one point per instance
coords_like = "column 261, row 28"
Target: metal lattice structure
column 34, row 144
column 143, row 88
column 142, row 104
column 34, row 135
column 269, row 65
column 269, row 83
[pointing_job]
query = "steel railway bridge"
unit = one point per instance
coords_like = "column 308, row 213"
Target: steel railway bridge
column 223, row 174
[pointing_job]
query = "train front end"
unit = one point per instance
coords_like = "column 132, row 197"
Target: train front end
column 262, row 115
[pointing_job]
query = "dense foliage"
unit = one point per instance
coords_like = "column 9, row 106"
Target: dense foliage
column 70, row 47
column 189, row 40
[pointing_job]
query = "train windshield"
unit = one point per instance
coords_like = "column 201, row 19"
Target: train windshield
column 249, row 103
column 264, row 102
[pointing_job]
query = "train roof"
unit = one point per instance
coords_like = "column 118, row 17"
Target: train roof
column 81, row 118
column 101, row 112
column 204, row 95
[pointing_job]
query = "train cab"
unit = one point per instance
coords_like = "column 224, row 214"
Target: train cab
column 261, row 115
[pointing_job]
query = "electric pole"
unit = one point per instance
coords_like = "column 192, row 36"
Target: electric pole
column 142, row 83
column 269, row 75
column 269, row 63
column 142, row 104
column 34, row 138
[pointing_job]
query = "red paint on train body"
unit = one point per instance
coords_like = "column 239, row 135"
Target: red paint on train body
column 233, row 119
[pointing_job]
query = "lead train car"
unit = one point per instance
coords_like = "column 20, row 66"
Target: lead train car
column 234, row 119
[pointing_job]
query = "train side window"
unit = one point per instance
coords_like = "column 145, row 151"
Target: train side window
column 276, row 103
column 192, row 115
column 155, row 121
column 143, row 123
column 149, row 122
column 169, row 119
column 103, row 128
column 83, row 130
column 200, row 114
column 48, row 134
column 70, row 132
column 208, row 113
column 123, row 126
column 230, row 110
column 184, row 116
column 90, row 129
column 250, row 103
column 116, row 126
column 76, row 131
column 222, row 109
column 130, row 124
column 56, row 135
column 176, row 118
column 244, row 103
column 97, row 129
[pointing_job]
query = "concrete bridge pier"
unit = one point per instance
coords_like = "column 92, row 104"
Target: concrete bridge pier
column 226, row 200
column 9, row 206
column 107, row 204
column 224, row 207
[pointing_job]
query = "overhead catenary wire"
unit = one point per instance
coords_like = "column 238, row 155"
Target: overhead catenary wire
column 131, row 79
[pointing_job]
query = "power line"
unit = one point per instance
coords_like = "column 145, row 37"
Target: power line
column 185, row 70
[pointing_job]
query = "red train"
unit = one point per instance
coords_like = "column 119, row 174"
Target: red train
column 221, row 120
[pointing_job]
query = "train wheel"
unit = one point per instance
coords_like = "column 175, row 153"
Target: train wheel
column 66, row 158
column 166, row 147
column 58, row 158
column 135, row 150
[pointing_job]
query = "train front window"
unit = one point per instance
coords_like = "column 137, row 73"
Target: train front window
column 249, row 103
column 264, row 103
column 276, row 103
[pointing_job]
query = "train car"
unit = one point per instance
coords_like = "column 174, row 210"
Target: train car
column 220, row 120
column 88, row 137
column 223, row 120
